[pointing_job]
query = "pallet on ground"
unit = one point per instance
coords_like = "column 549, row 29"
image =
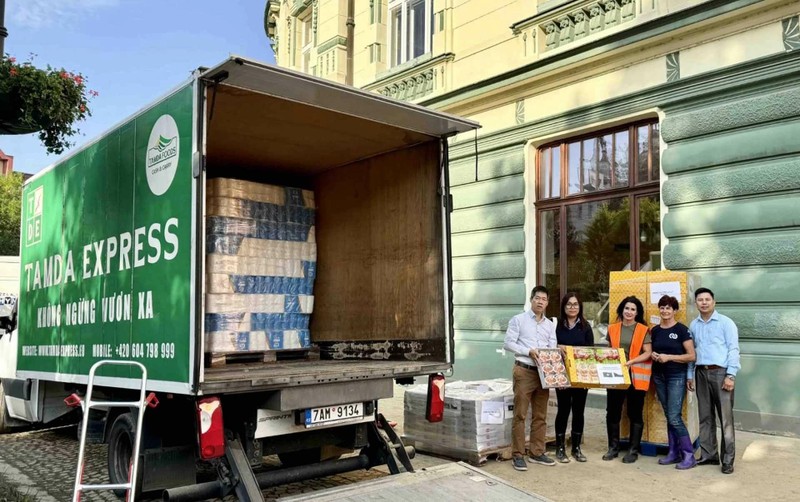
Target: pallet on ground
column 217, row 359
column 476, row 458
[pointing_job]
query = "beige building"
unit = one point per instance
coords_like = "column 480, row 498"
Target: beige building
column 617, row 134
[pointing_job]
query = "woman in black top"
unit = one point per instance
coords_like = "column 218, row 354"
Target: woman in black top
column 673, row 350
column 573, row 330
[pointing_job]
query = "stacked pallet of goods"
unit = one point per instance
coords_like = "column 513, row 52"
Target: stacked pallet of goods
column 476, row 425
column 261, row 261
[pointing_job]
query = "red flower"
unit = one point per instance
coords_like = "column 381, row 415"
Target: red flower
column 78, row 79
column 64, row 74
column 82, row 108
column 13, row 72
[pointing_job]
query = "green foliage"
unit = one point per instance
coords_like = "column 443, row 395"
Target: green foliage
column 49, row 101
column 10, row 212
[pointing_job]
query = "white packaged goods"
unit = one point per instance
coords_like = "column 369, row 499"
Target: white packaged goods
column 477, row 418
column 261, row 259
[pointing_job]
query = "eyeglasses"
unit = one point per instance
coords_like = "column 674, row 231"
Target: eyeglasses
column 572, row 305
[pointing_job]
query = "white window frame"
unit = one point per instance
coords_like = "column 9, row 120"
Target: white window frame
column 307, row 44
column 405, row 10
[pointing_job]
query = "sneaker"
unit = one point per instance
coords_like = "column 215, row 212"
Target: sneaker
column 541, row 459
column 519, row 464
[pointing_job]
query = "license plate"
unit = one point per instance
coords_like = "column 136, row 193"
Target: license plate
column 334, row 413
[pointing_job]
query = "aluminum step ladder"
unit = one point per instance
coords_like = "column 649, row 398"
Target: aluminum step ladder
column 87, row 404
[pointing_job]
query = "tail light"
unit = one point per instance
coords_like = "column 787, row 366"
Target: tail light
column 435, row 408
column 210, row 427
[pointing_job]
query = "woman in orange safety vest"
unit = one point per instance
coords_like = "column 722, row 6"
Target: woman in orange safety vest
column 630, row 333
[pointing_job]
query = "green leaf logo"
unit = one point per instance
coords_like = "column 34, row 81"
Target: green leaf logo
column 163, row 143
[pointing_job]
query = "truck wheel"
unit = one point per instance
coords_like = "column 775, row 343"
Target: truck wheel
column 120, row 451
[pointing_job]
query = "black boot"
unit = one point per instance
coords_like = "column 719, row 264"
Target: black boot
column 636, row 444
column 577, row 437
column 613, row 441
column 561, row 448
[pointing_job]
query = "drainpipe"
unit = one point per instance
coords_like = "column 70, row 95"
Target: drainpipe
column 3, row 30
column 351, row 23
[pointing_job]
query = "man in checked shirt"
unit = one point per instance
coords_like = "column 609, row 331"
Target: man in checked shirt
column 528, row 332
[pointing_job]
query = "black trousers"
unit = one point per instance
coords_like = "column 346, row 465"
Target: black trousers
column 573, row 400
column 615, row 398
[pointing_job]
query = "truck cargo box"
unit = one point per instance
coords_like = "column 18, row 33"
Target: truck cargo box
column 114, row 246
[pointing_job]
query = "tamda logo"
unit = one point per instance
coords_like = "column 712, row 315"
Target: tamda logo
column 163, row 149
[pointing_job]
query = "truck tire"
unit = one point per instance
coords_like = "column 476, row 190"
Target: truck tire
column 120, row 451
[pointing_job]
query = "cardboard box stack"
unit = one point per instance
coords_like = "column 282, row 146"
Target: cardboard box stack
column 260, row 266
column 649, row 287
column 477, row 420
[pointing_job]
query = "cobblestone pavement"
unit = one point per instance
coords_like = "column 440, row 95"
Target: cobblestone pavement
column 42, row 464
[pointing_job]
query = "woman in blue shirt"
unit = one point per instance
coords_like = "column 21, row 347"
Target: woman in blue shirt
column 673, row 350
column 572, row 329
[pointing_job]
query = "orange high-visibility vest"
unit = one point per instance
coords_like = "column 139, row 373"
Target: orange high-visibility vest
column 640, row 372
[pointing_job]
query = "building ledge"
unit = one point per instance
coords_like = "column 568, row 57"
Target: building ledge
column 415, row 79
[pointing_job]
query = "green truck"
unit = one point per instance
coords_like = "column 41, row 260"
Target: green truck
column 113, row 267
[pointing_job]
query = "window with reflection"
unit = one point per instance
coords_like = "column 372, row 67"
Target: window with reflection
column 598, row 210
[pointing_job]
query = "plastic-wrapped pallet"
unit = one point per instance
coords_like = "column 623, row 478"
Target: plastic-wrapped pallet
column 477, row 420
column 261, row 259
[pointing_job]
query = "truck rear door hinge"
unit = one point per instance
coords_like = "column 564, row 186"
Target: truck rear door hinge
column 447, row 202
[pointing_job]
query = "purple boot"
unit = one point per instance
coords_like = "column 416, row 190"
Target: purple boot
column 674, row 455
column 687, row 450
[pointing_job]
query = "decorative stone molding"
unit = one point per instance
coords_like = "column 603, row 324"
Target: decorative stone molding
column 551, row 35
column 612, row 13
column 580, row 18
column 791, row 33
column 271, row 14
column 314, row 18
column 298, row 6
column 627, row 9
column 566, row 27
column 673, row 66
column 417, row 81
column 596, row 17
column 568, row 23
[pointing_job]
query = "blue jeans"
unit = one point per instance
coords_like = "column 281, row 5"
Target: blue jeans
column 671, row 391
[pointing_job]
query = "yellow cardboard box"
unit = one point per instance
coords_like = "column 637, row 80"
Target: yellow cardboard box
column 649, row 287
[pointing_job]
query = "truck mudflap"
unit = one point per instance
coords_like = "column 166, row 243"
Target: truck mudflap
column 454, row 482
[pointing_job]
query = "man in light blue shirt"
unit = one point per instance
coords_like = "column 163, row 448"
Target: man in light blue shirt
column 527, row 333
column 717, row 341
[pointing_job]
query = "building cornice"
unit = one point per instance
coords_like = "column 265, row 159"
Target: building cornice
column 338, row 40
column 775, row 71
column 571, row 55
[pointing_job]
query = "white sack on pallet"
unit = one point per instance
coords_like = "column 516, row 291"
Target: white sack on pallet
column 243, row 341
column 249, row 190
column 271, row 304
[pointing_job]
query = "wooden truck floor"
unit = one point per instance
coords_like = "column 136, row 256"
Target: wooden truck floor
column 271, row 376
